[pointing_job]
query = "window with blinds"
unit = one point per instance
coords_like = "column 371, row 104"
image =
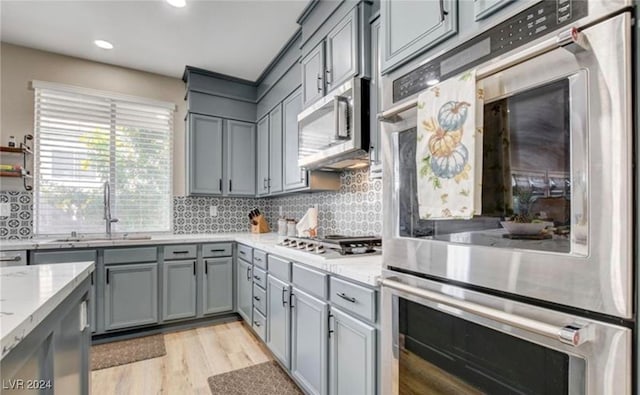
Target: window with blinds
column 86, row 138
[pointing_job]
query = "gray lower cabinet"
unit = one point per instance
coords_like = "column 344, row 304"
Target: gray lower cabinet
column 217, row 290
column 411, row 27
column 178, row 289
column 131, row 295
column 275, row 150
column 342, row 51
column 244, row 289
column 204, row 155
column 278, row 319
column 240, row 142
column 352, row 355
column 263, row 156
column 294, row 176
column 313, row 75
column 309, row 336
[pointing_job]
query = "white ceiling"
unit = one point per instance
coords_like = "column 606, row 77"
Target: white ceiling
column 237, row 38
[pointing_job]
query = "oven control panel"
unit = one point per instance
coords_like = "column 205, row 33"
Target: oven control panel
column 534, row 22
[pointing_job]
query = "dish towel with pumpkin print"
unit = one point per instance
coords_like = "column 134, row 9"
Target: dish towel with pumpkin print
column 449, row 149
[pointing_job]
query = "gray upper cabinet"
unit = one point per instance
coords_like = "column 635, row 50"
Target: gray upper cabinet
column 179, row 289
column 313, row 73
column 309, row 338
column 204, row 151
column 131, row 295
column 375, row 166
column 240, row 154
column 217, row 290
column 342, row 51
column 294, row 176
column 244, row 289
column 263, row 156
column 411, row 27
column 274, row 182
column 278, row 319
column 352, row 356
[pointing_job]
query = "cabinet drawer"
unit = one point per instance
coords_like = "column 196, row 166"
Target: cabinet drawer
column 279, row 268
column 353, row 298
column 40, row 258
column 260, row 259
column 260, row 277
column 180, row 252
column 217, row 249
column 260, row 299
column 245, row 253
column 259, row 324
column 310, row 280
column 126, row 255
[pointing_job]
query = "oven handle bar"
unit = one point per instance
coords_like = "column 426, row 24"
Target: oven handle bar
column 569, row 36
column 573, row 334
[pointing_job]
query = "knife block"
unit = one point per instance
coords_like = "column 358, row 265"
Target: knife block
column 261, row 225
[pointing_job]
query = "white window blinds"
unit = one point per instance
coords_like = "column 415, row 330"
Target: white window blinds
column 86, row 138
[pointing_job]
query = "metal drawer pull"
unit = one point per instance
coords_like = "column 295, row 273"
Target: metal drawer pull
column 345, row 297
column 284, row 292
column 573, row 334
column 257, row 298
column 16, row 258
column 218, row 250
column 249, row 273
column 180, row 252
column 243, row 253
column 256, row 323
column 257, row 277
column 258, row 259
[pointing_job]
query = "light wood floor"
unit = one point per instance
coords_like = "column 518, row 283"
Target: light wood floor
column 192, row 357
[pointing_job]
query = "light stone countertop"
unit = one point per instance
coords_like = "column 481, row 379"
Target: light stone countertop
column 364, row 269
column 28, row 294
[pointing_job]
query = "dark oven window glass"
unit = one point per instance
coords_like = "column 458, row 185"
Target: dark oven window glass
column 442, row 354
column 525, row 176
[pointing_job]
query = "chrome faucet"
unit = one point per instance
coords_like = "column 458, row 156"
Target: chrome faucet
column 106, row 194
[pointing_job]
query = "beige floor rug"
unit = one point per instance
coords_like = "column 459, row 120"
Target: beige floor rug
column 126, row 351
column 262, row 379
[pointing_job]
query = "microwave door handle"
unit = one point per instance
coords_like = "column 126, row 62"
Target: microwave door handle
column 341, row 117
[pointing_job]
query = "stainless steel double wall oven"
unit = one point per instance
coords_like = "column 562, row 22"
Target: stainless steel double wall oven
column 466, row 309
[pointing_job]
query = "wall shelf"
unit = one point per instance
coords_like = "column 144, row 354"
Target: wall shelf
column 23, row 173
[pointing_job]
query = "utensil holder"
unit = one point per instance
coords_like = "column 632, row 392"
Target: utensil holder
column 260, row 225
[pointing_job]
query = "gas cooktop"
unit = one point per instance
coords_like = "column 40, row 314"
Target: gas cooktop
column 342, row 245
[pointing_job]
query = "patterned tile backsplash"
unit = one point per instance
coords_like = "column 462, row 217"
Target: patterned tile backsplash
column 355, row 209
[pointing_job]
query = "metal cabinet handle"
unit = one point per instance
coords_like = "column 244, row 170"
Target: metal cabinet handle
column 443, row 13
column 248, row 273
column 292, row 296
column 329, row 77
column 329, row 324
column 194, row 268
column 220, row 185
column 107, row 275
column 284, row 301
column 345, row 297
column 218, row 250
column 243, row 253
column 16, row 258
column 269, row 183
column 319, row 82
column 574, row 334
column 206, row 269
column 180, row 252
column 230, row 186
column 257, row 259
column 257, row 298
column 264, row 183
column 256, row 323
column 256, row 277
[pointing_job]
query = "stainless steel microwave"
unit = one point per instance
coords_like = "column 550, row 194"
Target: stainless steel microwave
column 334, row 131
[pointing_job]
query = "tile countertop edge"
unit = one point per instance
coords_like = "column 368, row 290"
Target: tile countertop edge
column 365, row 270
column 12, row 332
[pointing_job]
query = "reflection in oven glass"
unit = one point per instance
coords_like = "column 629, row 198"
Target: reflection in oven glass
column 441, row 354
column 526, row 176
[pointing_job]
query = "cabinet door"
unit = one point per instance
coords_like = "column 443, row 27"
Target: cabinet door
column 411, row 27
column 294, row 176
column 244, row 289
column 131, row 295
column 375, row 166
column 352, row 360
column 278, row 319
column 309, row 348
column 263, row 156
column 218, row 285
column 313, row 75
column 240, row 152
column 342, row 51
column 275, row 150
column 204, row 147
column 178, row 289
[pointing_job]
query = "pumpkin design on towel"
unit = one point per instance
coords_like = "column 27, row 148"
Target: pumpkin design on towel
column 452, row 115
column 452, row 165
column 443, row 143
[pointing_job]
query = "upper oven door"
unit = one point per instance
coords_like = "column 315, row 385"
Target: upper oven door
column 557, row 145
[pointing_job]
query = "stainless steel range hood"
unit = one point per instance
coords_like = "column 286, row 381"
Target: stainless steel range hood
column 334, row 132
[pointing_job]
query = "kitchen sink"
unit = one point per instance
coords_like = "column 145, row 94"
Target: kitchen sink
column 101, row 238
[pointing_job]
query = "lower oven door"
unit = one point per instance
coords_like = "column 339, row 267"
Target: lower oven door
column 442, row 339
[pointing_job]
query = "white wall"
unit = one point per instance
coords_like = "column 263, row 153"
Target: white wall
column 19, row 66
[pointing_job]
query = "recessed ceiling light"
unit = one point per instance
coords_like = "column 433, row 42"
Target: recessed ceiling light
column 177, row 3
column 103, row 44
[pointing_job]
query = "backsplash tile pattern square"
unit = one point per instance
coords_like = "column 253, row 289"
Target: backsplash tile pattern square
column 19, row 223
column 354, row 210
